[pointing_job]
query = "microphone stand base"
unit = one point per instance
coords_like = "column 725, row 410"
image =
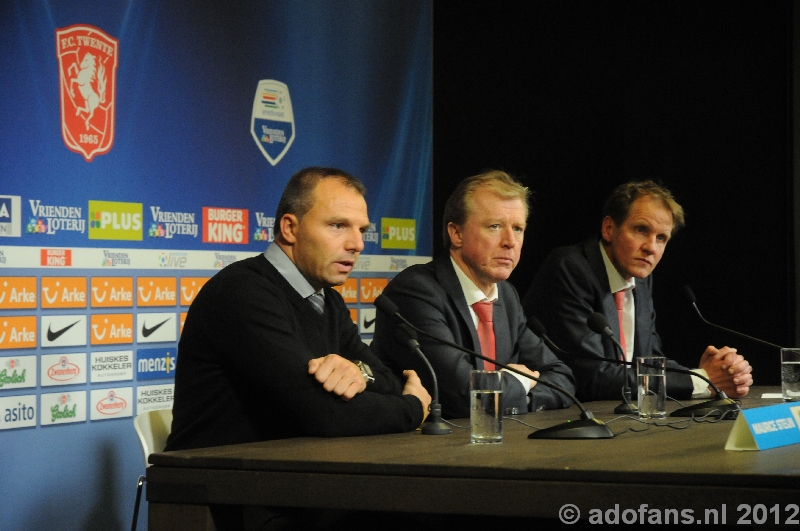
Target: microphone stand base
column 626, row 408
column 721, row 407
column 576, row 429
column 434, row 424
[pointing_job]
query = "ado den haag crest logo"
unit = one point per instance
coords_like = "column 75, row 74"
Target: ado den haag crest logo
column 272, row 123
column 87, row 65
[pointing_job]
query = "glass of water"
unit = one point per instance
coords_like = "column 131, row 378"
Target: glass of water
column 486, row 408
column 651, row 373
column 790, row 374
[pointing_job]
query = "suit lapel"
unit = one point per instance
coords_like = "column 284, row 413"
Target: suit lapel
column 592, row 251
column 446, row 276
column 502, row 330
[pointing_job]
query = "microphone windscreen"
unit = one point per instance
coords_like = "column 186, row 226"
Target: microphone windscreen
column 597, row 323
column 537, row 326
column 689, row 294
column 385, row 304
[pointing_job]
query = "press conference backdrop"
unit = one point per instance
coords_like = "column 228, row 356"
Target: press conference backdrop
column 144, row 147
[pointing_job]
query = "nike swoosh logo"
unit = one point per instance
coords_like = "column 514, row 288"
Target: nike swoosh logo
column 368, row 323
column 146, row 332
column 52, row 336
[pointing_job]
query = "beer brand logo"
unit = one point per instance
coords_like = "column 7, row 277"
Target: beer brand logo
column 87, row 64
column 398, row 233
column 64, row 370
column 17, row 292
column 111, row 404
column 272, row 122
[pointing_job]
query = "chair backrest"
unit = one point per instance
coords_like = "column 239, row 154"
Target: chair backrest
column 153, row 428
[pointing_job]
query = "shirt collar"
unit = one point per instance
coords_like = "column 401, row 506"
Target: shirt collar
column 288, row 270
column 615, row 280
column 472, row 292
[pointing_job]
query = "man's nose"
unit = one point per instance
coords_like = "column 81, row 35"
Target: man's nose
column 355, row 242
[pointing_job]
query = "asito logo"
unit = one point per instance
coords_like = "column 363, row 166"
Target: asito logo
column 63, row 292
column 87, row 61
column 111, row 292
column 17, row 292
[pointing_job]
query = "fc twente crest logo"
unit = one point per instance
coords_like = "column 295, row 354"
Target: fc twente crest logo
column 87, row 67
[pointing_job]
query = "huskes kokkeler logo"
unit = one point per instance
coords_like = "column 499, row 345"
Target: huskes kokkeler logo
column 87, row 66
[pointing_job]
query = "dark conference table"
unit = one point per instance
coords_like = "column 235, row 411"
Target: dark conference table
column 662, row 467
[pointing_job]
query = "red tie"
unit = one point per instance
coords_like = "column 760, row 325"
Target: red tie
column 486, row 331
column 619, row 300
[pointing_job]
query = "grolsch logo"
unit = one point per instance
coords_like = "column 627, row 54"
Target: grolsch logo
column 87, row 66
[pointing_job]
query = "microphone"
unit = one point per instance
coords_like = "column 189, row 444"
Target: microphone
column 588, row 427
column 598, row 323
column 689, row 295
column 433, row 425
column 720, row 405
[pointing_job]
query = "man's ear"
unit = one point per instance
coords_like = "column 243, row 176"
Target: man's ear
column 607, row 228
column 289, row 225
column 454, row 231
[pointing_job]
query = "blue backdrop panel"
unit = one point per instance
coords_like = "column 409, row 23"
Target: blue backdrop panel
column 127, row 128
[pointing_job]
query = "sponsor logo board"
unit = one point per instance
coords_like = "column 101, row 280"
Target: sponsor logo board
column 265, row 228
column 112, row 366
column 10, row 216
column 190, row 287
column 153, row 397
column 366, row 323
column 156, row 327
column 63, row 369
column 398, row 233
column 111, row 403
column 156, row 291
column 56, row 258
column 348, row 290
column 18, row 332
column 173, row 260
column 371, row 288
column 63, row 408
column 63, row 292
column 17, row 293
column 112, row 220
column 17, row 412
column 17, row 372
column 63, row 330
column 155, row 363
column 225, row 225
column 112, row 292
column 50, row 219
column 166, row 224
column 112, row 328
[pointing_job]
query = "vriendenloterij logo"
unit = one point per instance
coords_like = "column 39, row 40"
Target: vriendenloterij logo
column 272, row 123
column 87, row 66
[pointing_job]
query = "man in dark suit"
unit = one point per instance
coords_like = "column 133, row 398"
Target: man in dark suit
column 484, row 225
column 612, row 276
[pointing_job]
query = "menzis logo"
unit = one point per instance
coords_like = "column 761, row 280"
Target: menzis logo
column 87, row 60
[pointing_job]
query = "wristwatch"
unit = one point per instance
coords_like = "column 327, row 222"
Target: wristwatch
column 366, row 372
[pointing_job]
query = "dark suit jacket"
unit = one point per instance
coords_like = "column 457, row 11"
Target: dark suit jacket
column 431, row 297
column 572, row 284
